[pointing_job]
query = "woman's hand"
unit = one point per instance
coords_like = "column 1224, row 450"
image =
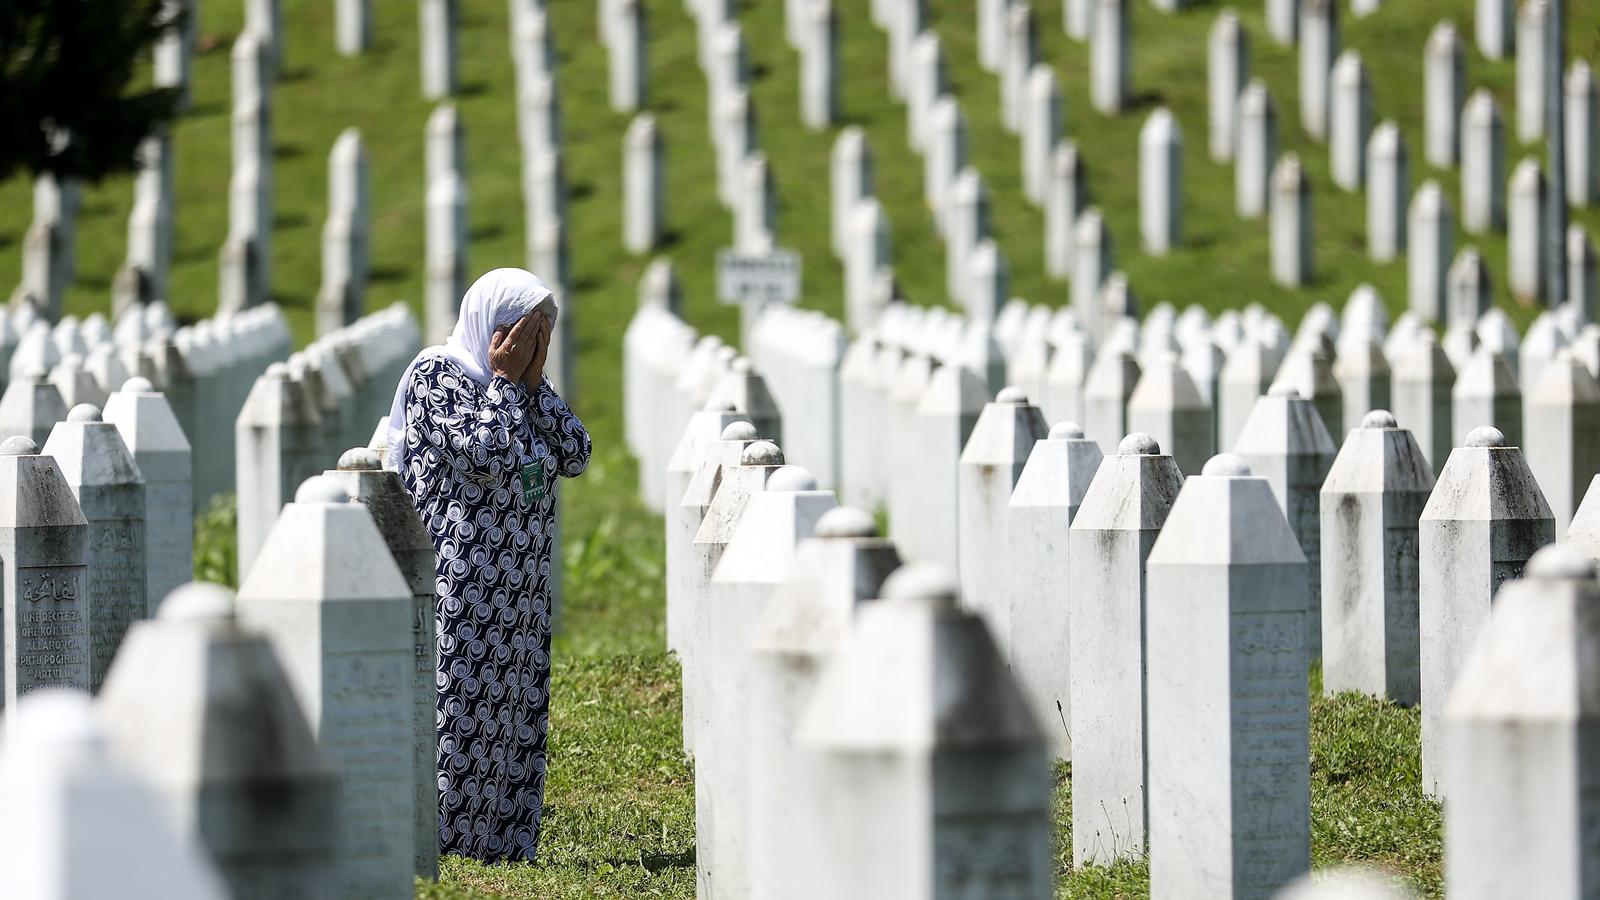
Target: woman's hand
column 543, row 329
column 512, row 349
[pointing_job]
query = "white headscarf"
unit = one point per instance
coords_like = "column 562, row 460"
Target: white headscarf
column 499, row 297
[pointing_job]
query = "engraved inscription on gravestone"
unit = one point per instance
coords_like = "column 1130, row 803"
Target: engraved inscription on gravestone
column 772, row 277
column 52, row 637
column 372, row 750
column 1270, row 728
column 117, row 585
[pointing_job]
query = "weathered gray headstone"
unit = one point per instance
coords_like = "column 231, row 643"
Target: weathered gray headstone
column 106, row 481
column 203, row 710
column 950, row 792
column 1307, row 371
column 44, row 546
column 1111, row 537
column 1515, row 725
column 339, row 615
column 1484, row 520
column 1229, row 793
column 279, row 438
column 1371, row 504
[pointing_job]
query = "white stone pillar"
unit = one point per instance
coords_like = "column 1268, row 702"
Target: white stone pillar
column 1160, row 183
column 1561, row 417
column 437, row 38
column 926, row 75
column 1371, row 503
column 1444, row 92
column 1110, row 65
column 351, row 673
column 966, row 223
column 991, row 34
column 991, row 463
column 278, row 434
column 1283, row 21
column 1513, row 724
column 1230, row 805
column 1112, row 534
column 1041, row 132
column 946, row 157
column 1021, row 53
column 1065, row 377
column 874, row 775
column 755, row 226
column 1111, row 382
column 1349, row 121
column 1388, row 190
column 988, row 280
column 943, row 421
column 644, row 185
column 1525, row 233
column 1493, row 27
column 1484, row 520
column 850, row 180
column 1362, row 372
column 1256, row 152
column 1421, row 390
column 868, row 253
column 819, row 66
column 1319, row 47
column 628, row 56
column 1166, row 405
column 152, row 434
column 1533, row 24
column 1092, row 262
column 1582, row 290
column 1291, row 222
column 1483, row 165
column 1227, row 70
column 1583, row 136
column 1065, row 200
column 1486, row 393
column 1032, row 624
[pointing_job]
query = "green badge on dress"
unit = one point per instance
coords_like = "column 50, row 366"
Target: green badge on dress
column 533, row 481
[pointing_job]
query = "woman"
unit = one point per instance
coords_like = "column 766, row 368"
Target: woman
column 479, row 437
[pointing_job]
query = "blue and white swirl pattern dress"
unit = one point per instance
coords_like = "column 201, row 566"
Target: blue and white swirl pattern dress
column 466, row 448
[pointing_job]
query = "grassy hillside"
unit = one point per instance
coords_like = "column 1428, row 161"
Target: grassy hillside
column 619, row 821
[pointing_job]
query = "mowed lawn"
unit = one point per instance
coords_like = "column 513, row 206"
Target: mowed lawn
column 620, row 806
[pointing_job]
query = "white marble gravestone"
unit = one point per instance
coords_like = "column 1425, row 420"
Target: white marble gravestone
column 842, row 565
column 1430, row 247
column 1319, row 48
column 203, row 710
column 1349, row 121
column 1525, row 231
column 1032, row 624
column 361, row 474
column 1160, row 183
column 31, row 405
column 1229, row 794
column 1420, row 396
column 931, row 772
column 78, row 823
column 1110, row 56
column 111, row 493
column 1371, row 504
column 1485, row 393
column 758, row 557
column 1167, row 405
column 1521, row 818
column 1111, row 536
column 1484, row 520
column 1286, row 442
column 1255, row 150
column 1444, row 93
column 44, row 546
column 1561, row 420
column 1483, row 165
column 279, row 437
column 338, row 613
column 991, row 462
column 1388, row 191
column 1227, row 70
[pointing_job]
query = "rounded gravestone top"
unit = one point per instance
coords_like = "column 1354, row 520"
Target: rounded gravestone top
column 921, row 581
column 762, row 453
column 1379, row 418
column 18, row 445
column 1486, row 436
column 278, row 370
column 359, row 459
column 846, row 522
column 197, row 600
column 1283, row 389
column 321, row 489
column 138, row 385
column 1226, row 465
column 717, row 404
column 1066, row 431
column 740, row 366
column 1139, row 444
column 1558, row 561
column 739, row 431
column 84, row 412
column 792, row 478
column 1011, row 394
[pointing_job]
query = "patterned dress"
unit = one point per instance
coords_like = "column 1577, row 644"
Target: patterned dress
column 481, row 466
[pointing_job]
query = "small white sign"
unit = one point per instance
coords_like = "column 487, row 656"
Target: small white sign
column 768, row 278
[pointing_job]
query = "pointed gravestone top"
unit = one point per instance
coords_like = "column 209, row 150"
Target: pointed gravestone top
column 1486, row 480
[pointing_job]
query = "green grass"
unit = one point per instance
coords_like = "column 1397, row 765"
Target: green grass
column 620, row 801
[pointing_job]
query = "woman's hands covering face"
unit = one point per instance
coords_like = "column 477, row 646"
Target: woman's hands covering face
column 543, row 329
column 512, row 348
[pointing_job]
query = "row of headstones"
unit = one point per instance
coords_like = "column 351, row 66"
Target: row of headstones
column 321, row 687
column 298, row 414
column 822, row 721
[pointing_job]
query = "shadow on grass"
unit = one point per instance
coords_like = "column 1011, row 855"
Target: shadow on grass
column 659, row 862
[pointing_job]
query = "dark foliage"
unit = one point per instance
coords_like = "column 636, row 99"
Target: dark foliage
column 68, row 103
